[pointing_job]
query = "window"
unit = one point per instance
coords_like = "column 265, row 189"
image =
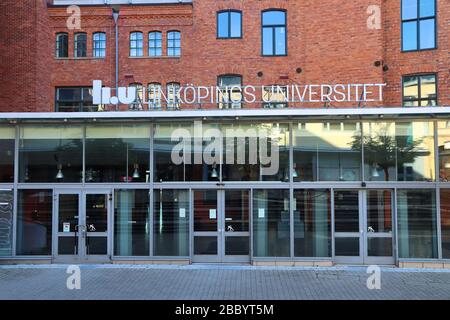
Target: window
column 80, row 45
column 136, row 44
column 155, row 44
column 229, row 24
column 131, row 221
column 62, row 45
column 50, row 153
column 154, row 96
column 99, row 45
column 326, row 152
column 174, row 43
column 274, row 33
column 418, row 25
column 137, row 104
column 419, row 90
column 271, row 223
column 7, row 137
column 275, row 97
column 171, row 223
column 34, row 222
column 75, row 100
column 173, row 95
column 118, row 153
column 230, row 91
column 417, row 230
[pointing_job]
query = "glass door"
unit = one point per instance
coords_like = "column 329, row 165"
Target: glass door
column 68, row 244
column 379, row 240
column 236, row 234
column 207, row 226
column 221, row 226
column 348, row 247
column 82, row 228
column 363, row 223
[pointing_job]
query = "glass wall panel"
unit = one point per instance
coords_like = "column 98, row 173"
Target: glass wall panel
column 256, row 152
column 417, row 234
column 271, row 223
column 444, row 150
column 7, row 135
column 180, row 152
column 327, row 151
column 50, row 153
column 312, row 223
column 380, row 160
column 131, row 223
column 445, row 222
column 171, row 223
column 119, row 153
column 415, row 151
column 34, row 222
column 6, row 222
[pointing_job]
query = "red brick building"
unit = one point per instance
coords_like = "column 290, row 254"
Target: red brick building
column 323, row 42
column 351, row 98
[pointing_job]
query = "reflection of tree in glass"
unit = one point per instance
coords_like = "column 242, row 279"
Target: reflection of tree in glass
column 383, row 150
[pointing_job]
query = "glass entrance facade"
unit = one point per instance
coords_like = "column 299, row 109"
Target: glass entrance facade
column 216, row 191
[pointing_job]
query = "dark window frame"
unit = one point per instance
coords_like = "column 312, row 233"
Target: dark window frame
column 419, row 90
column 228, row 13
column 137, row 44
column 154, row 104
column 275, row 104
column 80, row 102
column 273, row 28
column 77, row 43
column 101, row 49
column 169, row 40
column 173, row 105
column 58, row 45
column 229, row 105
column 418, row 19
column 150, row 41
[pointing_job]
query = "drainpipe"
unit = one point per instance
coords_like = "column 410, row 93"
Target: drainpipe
column 116, row 27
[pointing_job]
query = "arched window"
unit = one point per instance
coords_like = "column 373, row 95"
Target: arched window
column 229, row 24
column 155, row 44
column 154, row 96
column 136, row 44
column 80, row 47
column 62, row 45
column 274, row 36
column 230, row 87
column 174, row 43
column 138, row 103
column 99, row 44
column 173, row 95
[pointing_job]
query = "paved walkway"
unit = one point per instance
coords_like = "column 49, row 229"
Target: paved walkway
column 219, row 282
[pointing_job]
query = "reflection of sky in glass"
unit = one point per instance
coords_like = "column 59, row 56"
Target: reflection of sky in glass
column 235, row 24
column 427, row 34
column 427, row 8
column 409, row 9
column 410, row 35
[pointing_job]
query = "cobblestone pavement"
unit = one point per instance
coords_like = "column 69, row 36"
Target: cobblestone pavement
column 219, row 282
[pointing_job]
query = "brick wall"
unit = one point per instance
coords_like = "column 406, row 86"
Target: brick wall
column 329, row 41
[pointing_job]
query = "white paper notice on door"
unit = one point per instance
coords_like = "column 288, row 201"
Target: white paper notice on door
column 261, row 212
column 182, row 212
column 212, row 213
column 66, row 227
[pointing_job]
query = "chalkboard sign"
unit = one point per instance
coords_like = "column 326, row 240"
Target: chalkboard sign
column 6, row 222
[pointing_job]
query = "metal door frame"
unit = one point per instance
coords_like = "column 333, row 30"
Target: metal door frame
column 82, row 256
column 363, row 234
column 221, row 233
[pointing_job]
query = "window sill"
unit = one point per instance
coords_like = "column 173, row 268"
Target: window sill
column 156, row 57
column 81, row 58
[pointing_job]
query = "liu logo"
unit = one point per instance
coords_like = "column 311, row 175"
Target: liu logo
column 102, row 95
